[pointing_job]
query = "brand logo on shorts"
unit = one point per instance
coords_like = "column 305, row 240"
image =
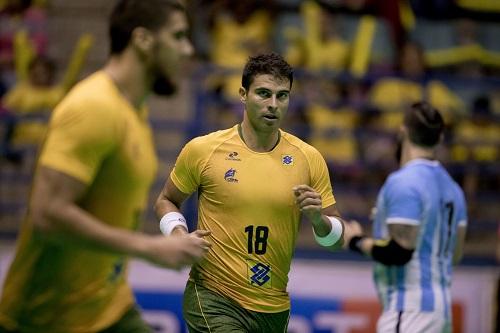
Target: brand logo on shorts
column 287, row 159
column 233, row 156
column 260, row 273
column 229, row 176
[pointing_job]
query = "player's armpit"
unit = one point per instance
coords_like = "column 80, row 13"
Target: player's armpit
column 389, row 252
column 53, row 194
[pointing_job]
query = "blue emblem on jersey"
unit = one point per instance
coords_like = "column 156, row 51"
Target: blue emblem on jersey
column 287, row 159
column 229, row 175
column 260, row 274
column 117, row 270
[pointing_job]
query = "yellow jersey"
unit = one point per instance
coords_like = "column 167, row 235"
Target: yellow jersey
column 246, row 200
column 97, row 137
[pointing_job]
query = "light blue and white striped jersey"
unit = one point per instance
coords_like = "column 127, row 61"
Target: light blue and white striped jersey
column 420, row 193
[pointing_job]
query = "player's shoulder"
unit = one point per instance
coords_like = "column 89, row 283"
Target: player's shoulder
column 212, row 140
column 95, row 91
column 93, row 97
column 299, row 144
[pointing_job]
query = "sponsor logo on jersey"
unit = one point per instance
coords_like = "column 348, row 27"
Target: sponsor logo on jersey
column 287, row 159
column 229, row 176
column 233, row 156
column 259, row 274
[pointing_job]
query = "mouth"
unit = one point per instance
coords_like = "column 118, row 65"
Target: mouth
column 270, row 117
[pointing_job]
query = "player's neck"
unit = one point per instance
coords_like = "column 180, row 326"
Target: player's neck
column 256, row 141
column 413, row 152
column 129, row 77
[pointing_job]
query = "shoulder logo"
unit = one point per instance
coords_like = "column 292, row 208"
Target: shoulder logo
column 233, row 156
column 229, row 176
column 287, row 159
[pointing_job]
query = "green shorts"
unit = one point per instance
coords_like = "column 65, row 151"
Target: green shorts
column 206, row 311
column 130, row 322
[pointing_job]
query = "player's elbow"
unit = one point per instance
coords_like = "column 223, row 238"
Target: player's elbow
column 44, row 218
column 158, row 206
column 457, row 257
column 391, row 254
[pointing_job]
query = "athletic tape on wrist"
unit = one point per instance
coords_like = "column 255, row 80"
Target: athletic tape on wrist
column 171, row 220
column 334, row 235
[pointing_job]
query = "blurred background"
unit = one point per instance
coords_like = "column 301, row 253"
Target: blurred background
column 358, row 63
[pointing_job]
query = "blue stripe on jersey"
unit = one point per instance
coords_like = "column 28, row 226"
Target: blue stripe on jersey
column 425, row 257
column 444, row 287
column 390, row 283
column 400, row 278
column 427, row 302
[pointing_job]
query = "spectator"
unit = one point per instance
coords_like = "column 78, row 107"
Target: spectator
column 35, row 92
column 239, row 29
column 15, row 16
column 412, row 83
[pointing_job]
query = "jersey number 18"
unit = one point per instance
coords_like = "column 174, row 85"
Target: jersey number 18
column 257, row 238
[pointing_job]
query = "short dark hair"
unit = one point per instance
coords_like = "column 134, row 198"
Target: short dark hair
column 269, row 63
column 424, row 123
column 130, row 14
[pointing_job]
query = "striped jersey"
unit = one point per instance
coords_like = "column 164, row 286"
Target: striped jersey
column 423, row 194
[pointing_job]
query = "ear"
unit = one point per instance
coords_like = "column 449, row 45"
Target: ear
column 243, row 95
column 142, row 39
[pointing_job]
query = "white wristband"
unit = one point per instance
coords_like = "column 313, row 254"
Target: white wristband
column 334, row 235
column 171, row 220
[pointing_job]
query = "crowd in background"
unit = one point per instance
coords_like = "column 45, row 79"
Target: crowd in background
column 358, row 63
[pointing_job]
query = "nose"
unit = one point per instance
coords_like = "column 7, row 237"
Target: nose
column 273, row 103
column 188, row 48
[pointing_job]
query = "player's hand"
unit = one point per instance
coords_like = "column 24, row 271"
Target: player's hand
column 309, row 202
column 351, row 228
column 179, row 250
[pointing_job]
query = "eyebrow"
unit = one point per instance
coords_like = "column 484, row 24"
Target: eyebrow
column 279, row 91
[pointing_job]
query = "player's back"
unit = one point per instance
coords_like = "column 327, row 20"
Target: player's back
column 435, row 203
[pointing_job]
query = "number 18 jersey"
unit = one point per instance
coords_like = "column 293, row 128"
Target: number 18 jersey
column 246, row 200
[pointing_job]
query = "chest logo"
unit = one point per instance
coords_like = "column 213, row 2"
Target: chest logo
column 229, row 176
column 287, row 159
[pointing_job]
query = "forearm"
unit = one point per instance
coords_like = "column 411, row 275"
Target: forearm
column 164, row 206
column 321, row 225
column 69, row 223
column 330, row 229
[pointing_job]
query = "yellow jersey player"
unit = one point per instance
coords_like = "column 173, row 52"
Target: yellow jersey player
column 91, row 184
column 254, row 183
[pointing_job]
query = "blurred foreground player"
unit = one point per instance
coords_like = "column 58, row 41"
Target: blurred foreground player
column 418, row 232
column 91, row 184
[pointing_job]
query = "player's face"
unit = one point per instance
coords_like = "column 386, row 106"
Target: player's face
column 266, row 102
column 171, row 47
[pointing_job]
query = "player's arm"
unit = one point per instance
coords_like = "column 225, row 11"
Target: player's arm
column 396, row 250
column 58, row 217
column 328, row 226
column 459, row 247
column 167, row 209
